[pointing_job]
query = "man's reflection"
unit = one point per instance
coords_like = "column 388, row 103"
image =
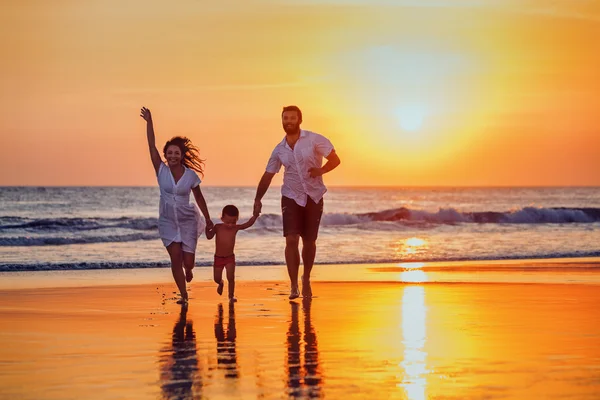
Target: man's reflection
column 226, row 351
column 180, row 378
column 304, row 379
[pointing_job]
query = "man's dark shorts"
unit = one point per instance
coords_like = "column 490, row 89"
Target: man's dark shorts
column 301, row 220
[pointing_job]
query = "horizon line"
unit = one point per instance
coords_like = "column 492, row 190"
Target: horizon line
column 331, row 186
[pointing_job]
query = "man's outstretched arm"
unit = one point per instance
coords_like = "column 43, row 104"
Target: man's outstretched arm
column 262, row 188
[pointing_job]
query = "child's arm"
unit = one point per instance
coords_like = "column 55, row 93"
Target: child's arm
column 211, row 231
column 248, row 223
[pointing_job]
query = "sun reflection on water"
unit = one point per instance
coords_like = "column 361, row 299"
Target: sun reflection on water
column 411, row 246
column 416, row 276
column 414, row 335
column 413, row 273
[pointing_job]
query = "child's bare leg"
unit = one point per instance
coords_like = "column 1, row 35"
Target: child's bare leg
column 176, row 254
column 230, row 268
column 218, row 277
column 189, row 259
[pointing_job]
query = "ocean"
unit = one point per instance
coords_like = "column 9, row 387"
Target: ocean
column 74, row 228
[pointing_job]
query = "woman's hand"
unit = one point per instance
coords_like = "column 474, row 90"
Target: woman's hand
column 145, row 113
column 209, row 224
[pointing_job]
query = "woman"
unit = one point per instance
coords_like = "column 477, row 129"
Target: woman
column 179, row 222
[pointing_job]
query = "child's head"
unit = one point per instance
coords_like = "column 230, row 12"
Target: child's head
column 230, row 214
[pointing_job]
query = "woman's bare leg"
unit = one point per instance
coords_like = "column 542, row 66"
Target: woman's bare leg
column 189, row 259
column 176, row 254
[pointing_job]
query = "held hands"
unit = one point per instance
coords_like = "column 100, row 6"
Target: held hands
column 209, row 231
column 145, row 113
column 315, row 172
column 209, row 225
column 257, row 207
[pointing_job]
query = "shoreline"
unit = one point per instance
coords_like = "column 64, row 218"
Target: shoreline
column 89, row 266
column 567, row 270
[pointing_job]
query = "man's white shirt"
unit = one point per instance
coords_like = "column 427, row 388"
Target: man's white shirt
column 308, row 153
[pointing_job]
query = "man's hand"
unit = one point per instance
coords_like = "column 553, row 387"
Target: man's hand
column 315, row 172
column 209, row 224
column 257, row 207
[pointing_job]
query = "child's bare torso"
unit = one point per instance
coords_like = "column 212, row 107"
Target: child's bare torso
column 225, row 239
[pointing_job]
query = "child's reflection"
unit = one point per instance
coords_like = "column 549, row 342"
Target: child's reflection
column 226, row 351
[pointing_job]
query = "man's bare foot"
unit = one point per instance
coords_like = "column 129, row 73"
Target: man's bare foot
column 306, row 289
column 220, row 288
column 189, row 275
column 232, row 299
column 295, row 293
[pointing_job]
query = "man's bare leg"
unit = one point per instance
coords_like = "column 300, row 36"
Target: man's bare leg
column 309, row 250
column 292, row 259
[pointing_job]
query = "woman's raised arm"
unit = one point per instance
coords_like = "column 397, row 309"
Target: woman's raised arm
column 154, row 154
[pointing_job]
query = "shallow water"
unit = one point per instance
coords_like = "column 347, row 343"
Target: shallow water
column 105, row 228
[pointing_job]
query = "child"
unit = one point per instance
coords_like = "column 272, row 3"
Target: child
column 225, row 242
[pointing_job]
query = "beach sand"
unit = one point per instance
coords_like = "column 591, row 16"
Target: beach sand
column 366, row 334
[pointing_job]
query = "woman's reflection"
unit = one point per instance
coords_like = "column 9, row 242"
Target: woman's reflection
column 304, row 380
column 226, row 352
column 179, row 377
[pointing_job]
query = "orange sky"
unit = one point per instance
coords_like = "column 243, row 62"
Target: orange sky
column 411, row 92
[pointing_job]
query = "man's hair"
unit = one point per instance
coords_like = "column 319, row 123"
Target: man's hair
column 231, row 210
column 293, row 108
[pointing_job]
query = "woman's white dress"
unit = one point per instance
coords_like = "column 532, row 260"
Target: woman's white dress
column 179, row 220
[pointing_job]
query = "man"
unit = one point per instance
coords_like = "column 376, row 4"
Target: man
column 301, row 152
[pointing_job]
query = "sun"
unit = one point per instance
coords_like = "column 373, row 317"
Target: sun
column 410, row 117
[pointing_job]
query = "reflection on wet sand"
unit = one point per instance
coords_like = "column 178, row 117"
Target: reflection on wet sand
column 375, row 341
column 226, row 350
column 303, row 380
column 414, row 336
column 179, row 375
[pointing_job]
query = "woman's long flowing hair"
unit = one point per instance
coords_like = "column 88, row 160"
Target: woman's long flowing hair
column 190, row 153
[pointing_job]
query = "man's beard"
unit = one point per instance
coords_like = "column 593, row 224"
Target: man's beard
column 291, row 129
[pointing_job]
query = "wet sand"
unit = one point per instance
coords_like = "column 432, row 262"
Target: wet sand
column 375, row 338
